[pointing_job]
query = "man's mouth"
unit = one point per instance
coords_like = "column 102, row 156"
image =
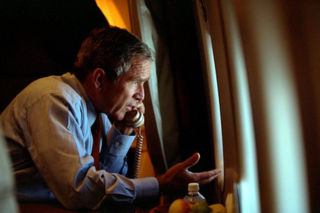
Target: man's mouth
column 129, row 108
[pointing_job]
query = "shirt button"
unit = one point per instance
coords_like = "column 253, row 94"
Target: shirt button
column 117, row 143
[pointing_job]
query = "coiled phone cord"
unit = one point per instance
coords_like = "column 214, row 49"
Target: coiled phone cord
column 137, row 158
column 135, row 119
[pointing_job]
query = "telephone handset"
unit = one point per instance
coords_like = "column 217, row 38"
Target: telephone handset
column 135, row 119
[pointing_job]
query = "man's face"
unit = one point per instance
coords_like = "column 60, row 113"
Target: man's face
column 127, row 93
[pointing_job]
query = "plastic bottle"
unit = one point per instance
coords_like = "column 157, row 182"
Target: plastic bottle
column 194, row 195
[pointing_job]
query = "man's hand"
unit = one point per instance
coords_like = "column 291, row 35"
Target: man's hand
column 123, row 126
column 178, row 177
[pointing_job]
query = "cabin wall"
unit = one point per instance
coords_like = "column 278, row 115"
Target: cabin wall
column 303, row 25
column 265, row 57
column 280, row 43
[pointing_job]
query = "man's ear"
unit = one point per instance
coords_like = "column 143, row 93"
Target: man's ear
column 98, row 76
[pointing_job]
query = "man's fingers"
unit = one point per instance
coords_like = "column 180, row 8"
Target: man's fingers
column 191, row 161
column 141, row 107
column 208, row 176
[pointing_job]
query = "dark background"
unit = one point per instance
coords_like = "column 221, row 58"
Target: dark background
column 41, row 38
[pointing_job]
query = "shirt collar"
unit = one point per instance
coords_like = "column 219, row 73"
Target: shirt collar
column 74, row 82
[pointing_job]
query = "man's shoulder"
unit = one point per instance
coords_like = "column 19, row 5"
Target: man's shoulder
column 50, row 87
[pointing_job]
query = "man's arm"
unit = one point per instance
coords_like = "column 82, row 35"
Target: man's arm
column 114, row 148
column 60, row 152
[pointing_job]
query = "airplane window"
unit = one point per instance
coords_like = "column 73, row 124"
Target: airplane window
column 234, row 144
column 248, row 184
column 214, row 102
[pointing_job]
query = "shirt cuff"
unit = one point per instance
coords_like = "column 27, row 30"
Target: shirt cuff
column 146, row 188
column 118, row 144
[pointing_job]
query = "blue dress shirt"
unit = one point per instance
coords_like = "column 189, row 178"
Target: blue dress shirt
column 48, row 132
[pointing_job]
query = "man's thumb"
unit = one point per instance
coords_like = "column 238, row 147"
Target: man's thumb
column 191, row 161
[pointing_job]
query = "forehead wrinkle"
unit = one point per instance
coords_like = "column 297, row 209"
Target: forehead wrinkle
column 138, row 69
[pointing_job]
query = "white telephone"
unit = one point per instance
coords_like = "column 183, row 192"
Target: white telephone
column 135, row 119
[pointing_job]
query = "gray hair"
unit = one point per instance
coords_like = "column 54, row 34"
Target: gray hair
column 111, row 49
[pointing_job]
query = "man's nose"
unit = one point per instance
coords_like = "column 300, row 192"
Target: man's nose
column 140, row 93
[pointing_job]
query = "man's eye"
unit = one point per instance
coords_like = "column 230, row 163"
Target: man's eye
column 139, row 83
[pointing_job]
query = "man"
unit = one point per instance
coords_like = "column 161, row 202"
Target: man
column 48, row 129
